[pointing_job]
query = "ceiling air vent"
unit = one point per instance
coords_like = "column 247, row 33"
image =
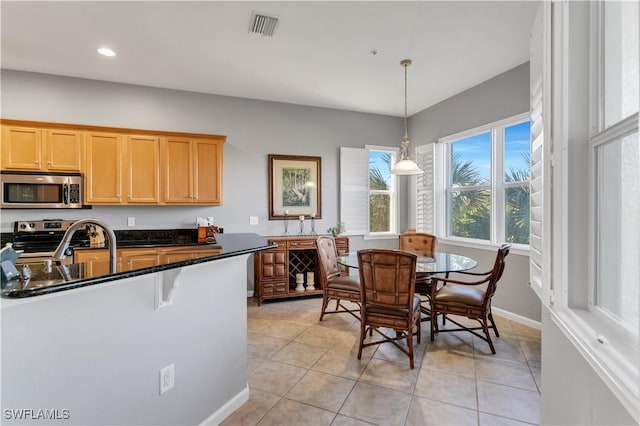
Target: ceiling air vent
column 263, row 24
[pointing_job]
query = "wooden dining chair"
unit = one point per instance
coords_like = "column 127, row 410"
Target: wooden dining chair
column 417, row 242
column 388, row 301
column 471, row 299
column 421, row 244
column 335, row 284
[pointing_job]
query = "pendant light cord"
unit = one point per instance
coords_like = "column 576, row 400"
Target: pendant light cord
column 406, row 136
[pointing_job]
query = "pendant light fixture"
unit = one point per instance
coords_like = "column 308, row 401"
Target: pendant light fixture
column 406, row 166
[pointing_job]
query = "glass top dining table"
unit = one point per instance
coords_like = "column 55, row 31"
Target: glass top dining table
column 439, row 262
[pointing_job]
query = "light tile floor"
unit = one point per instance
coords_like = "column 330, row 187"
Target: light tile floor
column 306, row 372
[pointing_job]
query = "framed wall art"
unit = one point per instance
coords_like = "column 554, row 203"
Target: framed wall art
column 294, row 187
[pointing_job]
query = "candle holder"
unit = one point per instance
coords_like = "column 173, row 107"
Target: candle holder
column 286, row 225
column 310, row 281
column 313, row 225
column 299, row 282
column 301, row 234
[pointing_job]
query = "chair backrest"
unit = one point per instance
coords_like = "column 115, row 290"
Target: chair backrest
column 327, row 256
column 388, row 277
column 417, row 242
column 498, row 269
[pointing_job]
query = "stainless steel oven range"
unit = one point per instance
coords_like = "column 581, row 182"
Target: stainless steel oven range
column 39, row 238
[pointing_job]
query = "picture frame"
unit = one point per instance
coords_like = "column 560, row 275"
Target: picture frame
column 295, row 187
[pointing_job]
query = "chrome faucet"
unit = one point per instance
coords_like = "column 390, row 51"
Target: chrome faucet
column 60, row 254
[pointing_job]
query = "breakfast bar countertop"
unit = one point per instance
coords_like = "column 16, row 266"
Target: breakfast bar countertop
column 46, row 280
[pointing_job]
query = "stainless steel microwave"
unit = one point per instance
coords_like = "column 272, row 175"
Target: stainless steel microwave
column 24, row 190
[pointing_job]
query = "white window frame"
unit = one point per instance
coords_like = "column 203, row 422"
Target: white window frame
column 354, row 186
column 605, row 345
column 496, row 187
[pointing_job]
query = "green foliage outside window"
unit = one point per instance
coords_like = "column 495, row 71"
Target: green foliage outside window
column 380, row 203
column 471, row 209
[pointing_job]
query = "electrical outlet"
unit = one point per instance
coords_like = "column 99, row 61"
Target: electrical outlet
column 131, row 221
column 167, row 378
column 199, row 220
column 210, row 220
column 253, row 220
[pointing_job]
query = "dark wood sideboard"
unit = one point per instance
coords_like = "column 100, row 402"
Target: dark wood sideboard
column 275, row 269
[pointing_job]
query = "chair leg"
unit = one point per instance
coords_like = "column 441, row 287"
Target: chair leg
column 325, row 302
column 432, row 323
column 493, row 324
column 419, row 325
column 410, row 345
column 485, row 328
column 363, row 333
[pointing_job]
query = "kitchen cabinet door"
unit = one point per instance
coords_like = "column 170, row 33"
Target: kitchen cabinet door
column 21, row 148
column 142, row 169
column 178, row 170
column 63, row 149
column 95, row 261
column 136, row 258
column 208, row 172
column 192, row 171
column 103, row 180
column 177, row 256
column 40, row 149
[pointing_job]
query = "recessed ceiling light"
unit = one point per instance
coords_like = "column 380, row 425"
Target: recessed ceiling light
column 106, row 51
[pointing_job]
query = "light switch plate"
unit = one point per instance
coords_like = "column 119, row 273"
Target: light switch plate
column 131, row 221
column 253, row 220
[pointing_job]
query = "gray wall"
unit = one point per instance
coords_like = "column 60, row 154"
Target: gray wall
column 501, row 97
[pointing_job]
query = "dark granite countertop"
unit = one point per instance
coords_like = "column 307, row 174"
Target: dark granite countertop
column 67, row 277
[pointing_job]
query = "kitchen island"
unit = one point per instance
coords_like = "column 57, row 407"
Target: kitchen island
column 91, row 350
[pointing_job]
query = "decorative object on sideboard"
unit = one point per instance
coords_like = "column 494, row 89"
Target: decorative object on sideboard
column 310, row 281
column 405, row 166
column 301, row 219
column 313, row 225
column 294, row 186
column 299, row 282
column 286, row 224
column 337, row 230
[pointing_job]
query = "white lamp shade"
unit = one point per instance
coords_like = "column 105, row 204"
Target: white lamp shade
column 406, row 167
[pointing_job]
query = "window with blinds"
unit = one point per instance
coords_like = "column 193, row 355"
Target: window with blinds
column 368, row 191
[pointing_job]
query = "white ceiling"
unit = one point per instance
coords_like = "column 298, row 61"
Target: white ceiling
column 319, row 55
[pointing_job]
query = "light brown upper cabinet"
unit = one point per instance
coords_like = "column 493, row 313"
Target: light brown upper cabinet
column 192, row 170
column 120, row 166
column 142, row 169
column 122, row 169
column 103, row 172
column 40, row 149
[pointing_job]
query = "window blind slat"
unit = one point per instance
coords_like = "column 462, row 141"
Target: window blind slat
column 425, row 186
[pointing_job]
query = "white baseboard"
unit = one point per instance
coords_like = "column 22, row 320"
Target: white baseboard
column 232, row 405
column 249, row 294
column 517, row 318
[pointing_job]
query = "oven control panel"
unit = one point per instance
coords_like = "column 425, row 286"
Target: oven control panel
column 42, row 225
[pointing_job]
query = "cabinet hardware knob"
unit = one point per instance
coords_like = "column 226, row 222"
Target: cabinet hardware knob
column 37, row 162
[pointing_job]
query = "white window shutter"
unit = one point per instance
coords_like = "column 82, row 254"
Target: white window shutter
column 539, row 245
column 354, row 190
column 425, row 189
